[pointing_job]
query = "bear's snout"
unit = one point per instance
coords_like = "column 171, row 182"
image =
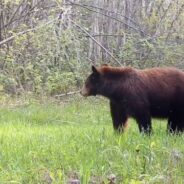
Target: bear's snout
column 84, row 92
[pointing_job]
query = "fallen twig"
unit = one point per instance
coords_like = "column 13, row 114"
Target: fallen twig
column 68, row 93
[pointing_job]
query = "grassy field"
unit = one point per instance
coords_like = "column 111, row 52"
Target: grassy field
column 71, row 141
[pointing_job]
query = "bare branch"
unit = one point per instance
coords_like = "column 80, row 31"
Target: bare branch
column 113, row 35
column 103, row 9
column 110, row 54
column 24, row 32
column 86, row 7
column 13, row 15
column 174, row 20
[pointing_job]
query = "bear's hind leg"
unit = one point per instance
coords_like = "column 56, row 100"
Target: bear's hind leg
column 176, row 122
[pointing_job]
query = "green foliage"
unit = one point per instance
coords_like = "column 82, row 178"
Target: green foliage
column 60, row 82
column 150, row 53
column 40, row 62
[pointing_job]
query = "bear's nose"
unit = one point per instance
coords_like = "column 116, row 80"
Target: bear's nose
column 81, row 92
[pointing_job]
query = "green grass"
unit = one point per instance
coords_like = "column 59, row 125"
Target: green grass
column 50, row 143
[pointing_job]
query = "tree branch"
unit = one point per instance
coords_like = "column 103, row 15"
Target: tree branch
column 113, row 35
column 86, row 7
column 98, row 43
column 174, row 20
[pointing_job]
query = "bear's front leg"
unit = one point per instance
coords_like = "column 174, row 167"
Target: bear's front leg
column 119, row 116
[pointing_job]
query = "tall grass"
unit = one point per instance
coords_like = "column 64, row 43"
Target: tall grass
column 50, row 143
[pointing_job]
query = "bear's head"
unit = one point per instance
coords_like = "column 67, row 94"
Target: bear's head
column 92, row 83
column 105, row 80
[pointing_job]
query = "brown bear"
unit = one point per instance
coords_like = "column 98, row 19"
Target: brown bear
column 141, row 94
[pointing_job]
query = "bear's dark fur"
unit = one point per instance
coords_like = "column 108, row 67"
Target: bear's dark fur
column 141, row 94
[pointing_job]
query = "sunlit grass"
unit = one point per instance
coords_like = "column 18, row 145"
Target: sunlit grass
column 49, row 143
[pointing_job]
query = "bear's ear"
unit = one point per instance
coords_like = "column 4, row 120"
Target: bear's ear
column 94, row 69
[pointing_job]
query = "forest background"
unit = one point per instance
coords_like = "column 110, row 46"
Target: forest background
column 48, row 46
